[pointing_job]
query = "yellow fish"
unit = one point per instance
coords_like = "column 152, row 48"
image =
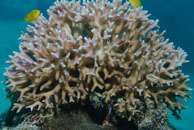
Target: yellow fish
column 136, row 3
column 32, row 16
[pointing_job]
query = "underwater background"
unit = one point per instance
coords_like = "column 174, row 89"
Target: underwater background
column 175, row 16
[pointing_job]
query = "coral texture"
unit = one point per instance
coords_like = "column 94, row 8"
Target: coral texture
column 74, row 120
column 153, row 118
column 100, row 47
column 23, row 126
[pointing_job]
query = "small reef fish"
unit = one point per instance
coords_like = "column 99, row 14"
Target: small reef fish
column 32, row 16
column 136, row 3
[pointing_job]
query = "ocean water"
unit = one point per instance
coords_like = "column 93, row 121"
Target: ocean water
column 175, row 16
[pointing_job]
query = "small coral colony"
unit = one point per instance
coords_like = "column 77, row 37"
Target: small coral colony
column 102, row 48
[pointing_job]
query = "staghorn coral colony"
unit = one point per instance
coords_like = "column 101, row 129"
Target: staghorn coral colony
column 107, row 49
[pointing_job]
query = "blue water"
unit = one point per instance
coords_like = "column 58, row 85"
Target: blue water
column 176, row 16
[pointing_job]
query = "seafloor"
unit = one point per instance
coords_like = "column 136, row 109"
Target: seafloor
column 175, row 16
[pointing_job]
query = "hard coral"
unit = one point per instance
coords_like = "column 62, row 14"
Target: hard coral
column 99, row 47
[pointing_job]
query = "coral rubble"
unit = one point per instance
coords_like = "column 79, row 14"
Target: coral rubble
column 104, row 48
